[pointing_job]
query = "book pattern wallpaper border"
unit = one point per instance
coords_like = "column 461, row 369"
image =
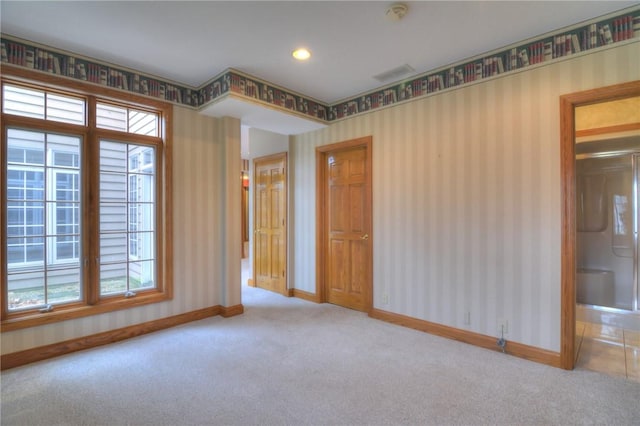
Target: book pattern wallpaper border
column 559, row 44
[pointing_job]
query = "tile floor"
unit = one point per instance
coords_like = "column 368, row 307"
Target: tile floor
column 607, row 349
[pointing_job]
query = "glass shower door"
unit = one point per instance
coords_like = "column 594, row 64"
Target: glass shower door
column 607, row 222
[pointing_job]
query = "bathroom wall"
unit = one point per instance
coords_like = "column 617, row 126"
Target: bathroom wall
column 607, row 114
column 605, row 239
column 466, row 198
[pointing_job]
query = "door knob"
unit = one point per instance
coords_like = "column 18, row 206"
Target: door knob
column 365, row 237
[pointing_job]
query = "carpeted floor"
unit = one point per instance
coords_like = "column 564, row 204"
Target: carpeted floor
column 287, row 361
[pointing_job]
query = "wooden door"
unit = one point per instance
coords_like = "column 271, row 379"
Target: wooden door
column 347, row 225
column 270, row 223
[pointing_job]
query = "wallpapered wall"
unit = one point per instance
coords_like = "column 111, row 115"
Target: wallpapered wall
column 466, row 198
column 466, row 205
column 199, row 246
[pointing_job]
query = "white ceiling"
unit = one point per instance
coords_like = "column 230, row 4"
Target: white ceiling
column 351, row 41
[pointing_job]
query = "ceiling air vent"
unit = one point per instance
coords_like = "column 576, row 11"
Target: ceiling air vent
column 394, row 74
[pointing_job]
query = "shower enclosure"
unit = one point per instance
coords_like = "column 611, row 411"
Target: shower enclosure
column 607, row 174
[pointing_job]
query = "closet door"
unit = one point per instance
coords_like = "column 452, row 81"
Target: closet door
column 270, row 223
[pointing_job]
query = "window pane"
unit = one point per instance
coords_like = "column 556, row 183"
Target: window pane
column 34, row 250
column 141, row 217
column 145, row 245
column 25, row 252
column 141, row 159
column 128, row 120
column 111, row 117
column 67, row 218
column 141, row 275
column 113, row 248
column 68, row 189
column 43, row 218
column 15, row 220
column 16, row 251
column 23, row 102
column 146, row 188
column 143, row 123
column 113, row 187
column 64, row 151
column 25, row 219
column 26, row 290
column 65, row 109
column 25, row 183
column 63, row 285
column 64, row 249
column 113, row 279
column 25, row 147
column 133, row 188
column 113, row 217
column 133, row 246
column 113, row 157
column 31, row 103
column 66, row 186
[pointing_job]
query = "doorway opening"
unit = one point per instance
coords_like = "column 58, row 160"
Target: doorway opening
column 574, row 223
column 270, row 223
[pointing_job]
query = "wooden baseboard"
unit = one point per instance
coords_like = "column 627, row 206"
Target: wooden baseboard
column 27, row 356
column 250, row 282
column 231, row 311
column 305, row 295
column 520, row 350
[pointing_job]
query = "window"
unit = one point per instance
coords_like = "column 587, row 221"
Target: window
column 34, row 103
column 127, row 206
column 43, row 222
column 82, row 204
column 126, row 120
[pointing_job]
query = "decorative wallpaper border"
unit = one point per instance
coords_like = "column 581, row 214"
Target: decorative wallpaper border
column 558, row 45
column 554, row 46
column 247, row 86
column 41, row 58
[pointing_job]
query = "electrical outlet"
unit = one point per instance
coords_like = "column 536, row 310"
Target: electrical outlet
column 467, row 318
column 502, row 326
column 385, row 299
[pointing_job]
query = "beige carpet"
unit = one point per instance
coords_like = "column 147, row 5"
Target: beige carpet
column 287, row 361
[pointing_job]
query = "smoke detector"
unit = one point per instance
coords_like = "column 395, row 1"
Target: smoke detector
column 396, row 11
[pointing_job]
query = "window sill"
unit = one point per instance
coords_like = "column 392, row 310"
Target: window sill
column 17, row 322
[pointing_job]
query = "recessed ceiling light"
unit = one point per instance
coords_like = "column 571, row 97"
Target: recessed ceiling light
column 301, row 54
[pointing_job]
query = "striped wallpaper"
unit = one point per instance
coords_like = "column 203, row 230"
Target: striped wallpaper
column 466, row 206
column 466, row 198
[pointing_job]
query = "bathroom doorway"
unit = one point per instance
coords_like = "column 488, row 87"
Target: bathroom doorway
column 607, row 316
column 570, row 164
